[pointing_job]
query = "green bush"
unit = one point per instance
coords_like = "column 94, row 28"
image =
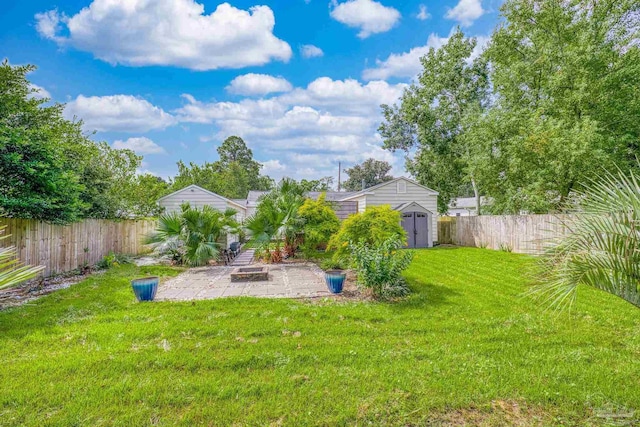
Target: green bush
column 113, row 260
column 379, row 267
column 320, row 223
column 373, row 226
column 331, row 264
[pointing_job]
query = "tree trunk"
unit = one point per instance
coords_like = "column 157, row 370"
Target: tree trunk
column 477, row 196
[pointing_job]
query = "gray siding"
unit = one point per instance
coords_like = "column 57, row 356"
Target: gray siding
column 344, row 209
column 196, row 197
column 388, row 195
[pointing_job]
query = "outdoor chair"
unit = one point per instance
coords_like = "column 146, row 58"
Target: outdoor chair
column 235, row 248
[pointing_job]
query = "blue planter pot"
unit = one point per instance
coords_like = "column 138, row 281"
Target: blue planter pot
column 335, row 280
column 146, row 288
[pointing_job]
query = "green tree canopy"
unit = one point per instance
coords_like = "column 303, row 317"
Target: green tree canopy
column 233, row 176
column 566, row 77
column 52, row 171
column 434, row 116
column 553, row 100
column 371, row 172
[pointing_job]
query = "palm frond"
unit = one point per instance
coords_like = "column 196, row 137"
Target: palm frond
column 602, row 248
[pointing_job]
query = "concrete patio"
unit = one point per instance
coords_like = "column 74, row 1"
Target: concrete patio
column 300, row 280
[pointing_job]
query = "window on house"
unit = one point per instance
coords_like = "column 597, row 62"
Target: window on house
column 402, row 187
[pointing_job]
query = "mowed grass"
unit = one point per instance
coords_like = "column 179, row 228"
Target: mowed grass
column 465, row 344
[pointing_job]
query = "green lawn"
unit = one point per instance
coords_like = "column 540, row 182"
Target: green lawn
column 467, row 345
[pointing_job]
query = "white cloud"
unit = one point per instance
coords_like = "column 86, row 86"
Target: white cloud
column 307, row 129
column 407, row 64
column 41, row 92
column 345, row 96
column 169, row 32
column 310, row 51
column 258, row 84
column 465, row 12
column 124, row 113
column 423, row 13
column 48, row 23
column 141, row 145
column 369, row 16
column 273, row 167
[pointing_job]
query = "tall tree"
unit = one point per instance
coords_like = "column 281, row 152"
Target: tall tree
column 233, row 176
column 566, row 76
column 371, row 172
column 234, row 150
column 434, row 114
column 50, row 169
column 35, row 182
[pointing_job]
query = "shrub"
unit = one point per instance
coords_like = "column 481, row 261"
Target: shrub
column 113, row 260
column 373, row 226
column 193, row 235
column 331, row 264
column 379, row 267
column 320, row 223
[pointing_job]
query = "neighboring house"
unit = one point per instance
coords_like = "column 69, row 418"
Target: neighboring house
column 465, row 206
column 198, row 197
column 417, row 203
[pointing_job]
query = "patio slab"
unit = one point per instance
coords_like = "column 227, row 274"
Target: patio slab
column 301, row 280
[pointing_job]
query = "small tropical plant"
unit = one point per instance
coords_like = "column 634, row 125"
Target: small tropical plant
column 113, row 260
column 12, row 271
column 602, row 247
column 320, row 223
column 265, row 229
column 373, row 226
column 277, row 221
column 192, row 236
column 379, row 266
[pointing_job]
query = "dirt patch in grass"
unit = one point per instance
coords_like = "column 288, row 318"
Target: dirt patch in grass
column 37, row 288
column 500, row 413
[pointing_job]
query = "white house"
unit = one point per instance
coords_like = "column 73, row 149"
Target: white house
column 417, row 203
column 465, row 206
column 198, row 197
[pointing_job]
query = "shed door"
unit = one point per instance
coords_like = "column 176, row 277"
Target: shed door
column 422, row 230
column 408, row 222
column 416, row 225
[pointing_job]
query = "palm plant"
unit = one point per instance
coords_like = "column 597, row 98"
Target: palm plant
column 265, row 228
column 277, row 220
column 602, row 247
column 192, row 236
column 12, row 271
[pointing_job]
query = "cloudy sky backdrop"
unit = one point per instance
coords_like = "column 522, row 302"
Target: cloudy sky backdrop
column 300, row 80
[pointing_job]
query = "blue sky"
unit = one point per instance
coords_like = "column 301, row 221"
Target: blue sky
column 300, row 80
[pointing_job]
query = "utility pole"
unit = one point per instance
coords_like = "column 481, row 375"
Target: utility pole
column 339, row 169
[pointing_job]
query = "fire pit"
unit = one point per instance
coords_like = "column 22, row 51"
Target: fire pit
column 250, row 274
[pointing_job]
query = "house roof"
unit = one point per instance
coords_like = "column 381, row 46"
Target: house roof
column 375, row 187
column 193, row 186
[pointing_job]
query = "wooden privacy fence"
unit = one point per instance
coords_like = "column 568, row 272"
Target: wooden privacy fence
column 518, row 233
column 62, row 248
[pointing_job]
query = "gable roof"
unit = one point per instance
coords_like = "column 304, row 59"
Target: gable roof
column 375, row 187
column 412, row 205
column 193, row 187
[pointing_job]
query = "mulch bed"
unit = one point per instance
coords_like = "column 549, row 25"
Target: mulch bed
column 37, row 288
